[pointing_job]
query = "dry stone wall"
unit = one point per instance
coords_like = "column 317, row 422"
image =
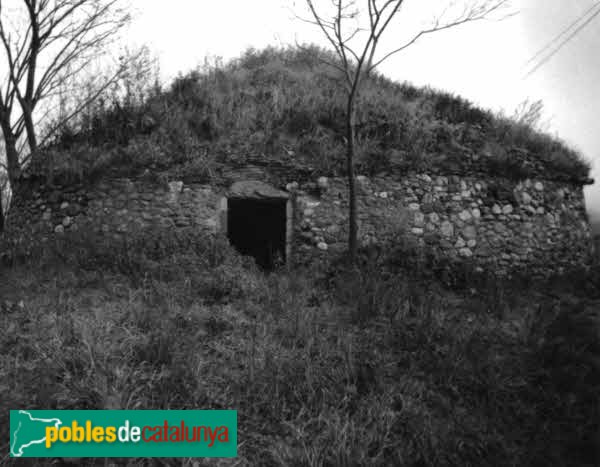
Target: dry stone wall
column 497, row 223
column 117, row 208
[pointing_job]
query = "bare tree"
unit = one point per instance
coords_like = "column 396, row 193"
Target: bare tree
column 45, row 43
column 354, row 29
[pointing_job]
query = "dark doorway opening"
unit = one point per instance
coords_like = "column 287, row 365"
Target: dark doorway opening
column 257, row 227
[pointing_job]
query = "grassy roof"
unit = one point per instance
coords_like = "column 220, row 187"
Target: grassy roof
column 287, row 105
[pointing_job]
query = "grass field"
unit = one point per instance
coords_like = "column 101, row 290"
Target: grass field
column 328, row 366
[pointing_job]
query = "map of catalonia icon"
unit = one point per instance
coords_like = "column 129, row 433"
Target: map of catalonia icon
column 29, row 431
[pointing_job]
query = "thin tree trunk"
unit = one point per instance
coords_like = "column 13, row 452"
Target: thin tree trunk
column 12, row 159
column 352, row 224
column 30, row 128
column 12, row 155
column 28, row 102
column 1, row 213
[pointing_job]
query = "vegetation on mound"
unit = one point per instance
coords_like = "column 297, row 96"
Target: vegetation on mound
column 327, row 366
column 287, row 105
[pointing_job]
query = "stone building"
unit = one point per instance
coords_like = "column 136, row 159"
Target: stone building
column 290, row 214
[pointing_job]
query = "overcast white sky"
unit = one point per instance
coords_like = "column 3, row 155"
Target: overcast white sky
column 483, row 62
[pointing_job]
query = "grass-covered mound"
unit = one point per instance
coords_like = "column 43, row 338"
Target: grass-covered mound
column 287, row 105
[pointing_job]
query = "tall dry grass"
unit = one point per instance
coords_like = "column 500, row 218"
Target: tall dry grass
column 330, row 366
column 288, row 104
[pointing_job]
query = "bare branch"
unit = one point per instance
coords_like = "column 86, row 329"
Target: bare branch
column 322, row 60
column 51, row 41
column 83, row 105
column 477, row 13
